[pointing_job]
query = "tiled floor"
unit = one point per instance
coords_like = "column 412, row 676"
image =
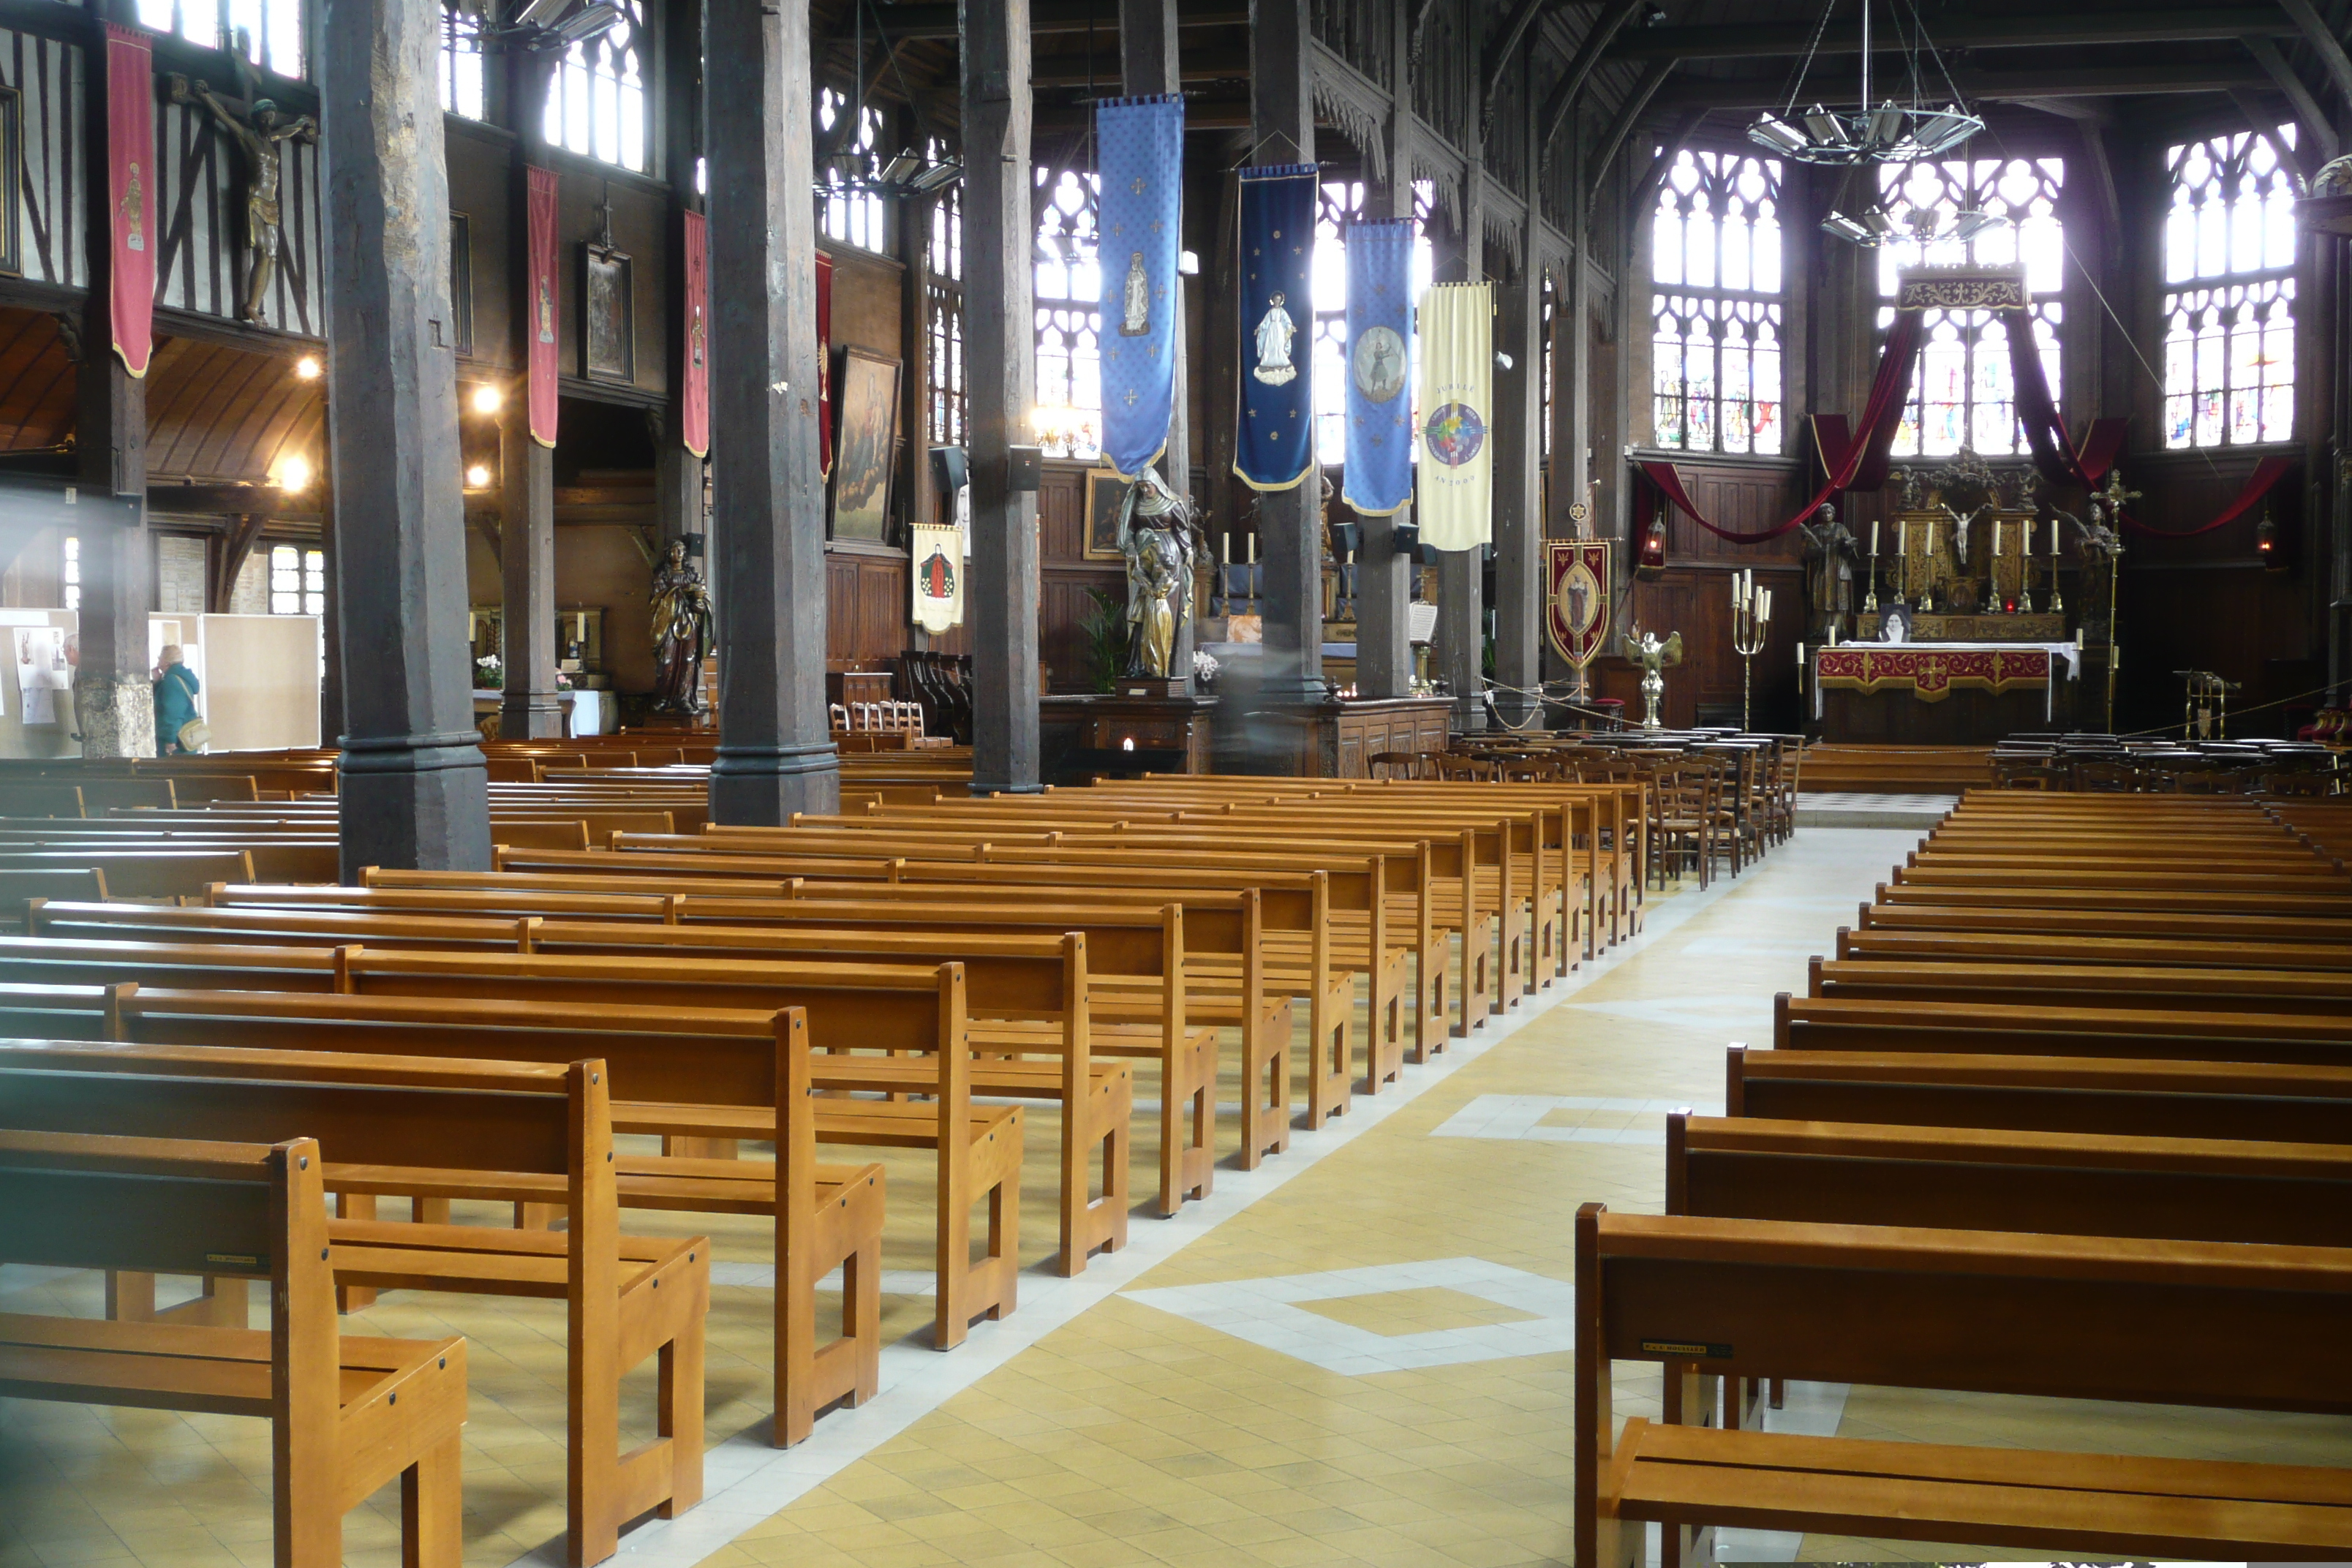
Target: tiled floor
column 1357, row 1353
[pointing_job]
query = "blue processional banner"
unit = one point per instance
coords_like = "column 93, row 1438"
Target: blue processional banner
column 1141, row 224
column 1380, row 367
column 1275, row 446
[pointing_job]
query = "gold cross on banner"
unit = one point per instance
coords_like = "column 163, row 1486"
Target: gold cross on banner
column 1130, row 397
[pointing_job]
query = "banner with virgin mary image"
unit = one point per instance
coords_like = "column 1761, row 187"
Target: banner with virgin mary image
column 1139, row 233
column 1380, row 367
column 1275, row 445
column 1457, row 404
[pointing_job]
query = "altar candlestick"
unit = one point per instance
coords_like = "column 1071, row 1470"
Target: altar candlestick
column 1995, row 539
column 1873, row 536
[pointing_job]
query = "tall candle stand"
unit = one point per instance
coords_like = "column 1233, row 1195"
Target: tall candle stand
column 1870, row 589
column 1751, row 615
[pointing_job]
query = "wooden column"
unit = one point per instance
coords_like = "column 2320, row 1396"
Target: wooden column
column 1000, row 377
column 414, row 789
column 1149, row 64
column 1461, row 574
column 1383, row 577
column 528, row 708
column 914, row 216
column 114, row 702
column 1289, row 522
column 678, row 473
column 1518, row 490
column 775, row 749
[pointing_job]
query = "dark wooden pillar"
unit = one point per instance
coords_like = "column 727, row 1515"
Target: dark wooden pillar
column 415, row 790
column 678, row 473
column 114, row 702
column 1149, row 63
column 528, row 708
column 1383, row 577
column 1000, row 370
column 775, row 749
column 1289, row 522
column 1518, row 456
column 915, row 215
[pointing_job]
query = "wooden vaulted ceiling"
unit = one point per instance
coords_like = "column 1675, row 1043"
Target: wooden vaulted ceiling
column 215, row 413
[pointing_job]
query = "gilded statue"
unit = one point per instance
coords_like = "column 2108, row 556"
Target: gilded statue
column 681, row 632
column 1155, row 532
column 262, row 134
column 1656, row 657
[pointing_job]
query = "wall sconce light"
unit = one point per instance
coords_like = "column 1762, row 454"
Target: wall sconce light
column 292, row 474
column 306, row 368
column 488, row 398
column 478, row 477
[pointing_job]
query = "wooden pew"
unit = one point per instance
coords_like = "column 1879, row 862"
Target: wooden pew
column 141, row 873
column 1824, row 1024
column 1985, row 1311
column 420, row 1127
column 1903, row 945
column 2195, row 987
column 1003, row 974
column 672, row 1069
column 909, row 1007
column 2116, row 1097
column 341, row 1427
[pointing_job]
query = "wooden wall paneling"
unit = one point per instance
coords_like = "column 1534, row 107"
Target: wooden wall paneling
column 220, row 413
column 37, row 382
column 479, row 164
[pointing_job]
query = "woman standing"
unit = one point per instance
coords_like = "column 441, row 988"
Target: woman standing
column 175, row 700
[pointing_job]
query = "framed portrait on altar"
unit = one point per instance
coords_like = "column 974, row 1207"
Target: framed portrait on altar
column 1106, row 493
column 865, row 418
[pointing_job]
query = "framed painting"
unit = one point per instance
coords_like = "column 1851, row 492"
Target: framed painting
column 608, row 348
column 1106, row 493
column 866, row 420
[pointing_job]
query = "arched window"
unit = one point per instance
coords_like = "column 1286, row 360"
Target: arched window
column 1067, row 285
column 1715, row 267
column 461, row 63
column 2229, row 308
column 943, row 363
column 1963, row 392
column 852, row 214
column 268, row 32
column 596, row 102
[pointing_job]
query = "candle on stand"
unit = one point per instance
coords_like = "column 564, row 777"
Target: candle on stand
column 1995, row 539
column 1873, row 536
column 2027, row 551
column 2053, row 539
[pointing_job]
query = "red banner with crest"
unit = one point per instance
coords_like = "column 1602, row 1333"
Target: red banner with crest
column 694, row 385
column 1576, row 598
column 131, row 194
column 543, row 365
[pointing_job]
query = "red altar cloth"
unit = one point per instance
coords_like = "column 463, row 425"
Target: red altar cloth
column 1929, row 672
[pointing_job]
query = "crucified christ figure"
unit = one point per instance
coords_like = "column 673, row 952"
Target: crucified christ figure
column 262, row 133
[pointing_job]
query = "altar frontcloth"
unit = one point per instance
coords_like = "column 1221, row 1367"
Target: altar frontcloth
column 1932, row 672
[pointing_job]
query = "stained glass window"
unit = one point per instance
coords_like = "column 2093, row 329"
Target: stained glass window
column 2229, row 308
column 596, row 102
column 1715, row 267
column 853, row 214
column 1068, row 289
column 943, row 361
column 1963, row 391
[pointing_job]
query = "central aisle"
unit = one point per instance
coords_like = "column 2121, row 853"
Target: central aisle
column 1371, row 1363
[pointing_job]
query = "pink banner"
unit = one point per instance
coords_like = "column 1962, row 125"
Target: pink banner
column 694, row 382
column 131, row 194
column 541, row 366
column 825, row 365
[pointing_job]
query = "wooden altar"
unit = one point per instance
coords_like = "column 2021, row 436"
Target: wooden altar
column 1950, row 694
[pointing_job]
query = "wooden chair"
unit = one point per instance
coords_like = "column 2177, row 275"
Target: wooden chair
column 348, row 1413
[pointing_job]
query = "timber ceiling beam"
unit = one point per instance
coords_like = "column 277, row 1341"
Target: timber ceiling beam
column 2324, row 43
column 1199, row 65
column 1999, row 87
column 1505, row 49
column 935, row 21
column 1964, row 30
column 1623, row 125
column 1562, row 101
column 2307, row 112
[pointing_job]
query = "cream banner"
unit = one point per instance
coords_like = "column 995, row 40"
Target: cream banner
column 1457, row 401
column 937, row 557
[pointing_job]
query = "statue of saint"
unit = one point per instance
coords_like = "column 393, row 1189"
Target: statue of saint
column 681, row 632
column 1274, row 331
column 262, row 135
column 1155, row 531
column 134, row 211
column 1829, row 547
column 1137, row 319
column 1656, row 657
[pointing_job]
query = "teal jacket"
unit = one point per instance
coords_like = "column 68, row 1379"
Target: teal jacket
column 175, row 701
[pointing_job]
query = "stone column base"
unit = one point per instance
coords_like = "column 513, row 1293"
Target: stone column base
column 116, row 715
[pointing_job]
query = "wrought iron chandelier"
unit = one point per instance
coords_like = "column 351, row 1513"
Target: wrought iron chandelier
column 1921, row 226
column 1890, row 132
column 538, row 26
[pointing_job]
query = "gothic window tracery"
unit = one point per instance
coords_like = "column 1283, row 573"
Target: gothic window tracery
column 852, row 214
column 1068, row 298
column 596, row 101
column 1963, row 391
column 1716, row 304
column 943, row 363
column 269, row 30
column 2228, row 306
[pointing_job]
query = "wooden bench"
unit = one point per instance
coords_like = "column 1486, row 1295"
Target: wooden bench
column 1985, row 1311
column 2197, row 988
column 676, row 1070
column 1819, row 1023
column 911, row 1008
column 349, row 1415
column 430, row 1130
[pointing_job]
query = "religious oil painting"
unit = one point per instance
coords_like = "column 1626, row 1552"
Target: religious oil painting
column 607, row 328
column 868, row 418
column 1106, row 493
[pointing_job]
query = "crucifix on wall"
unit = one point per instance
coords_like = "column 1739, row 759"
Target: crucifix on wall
column 261, row 131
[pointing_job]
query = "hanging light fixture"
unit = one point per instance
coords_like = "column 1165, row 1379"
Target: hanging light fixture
column 1888, row 132
column 1921, row 226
